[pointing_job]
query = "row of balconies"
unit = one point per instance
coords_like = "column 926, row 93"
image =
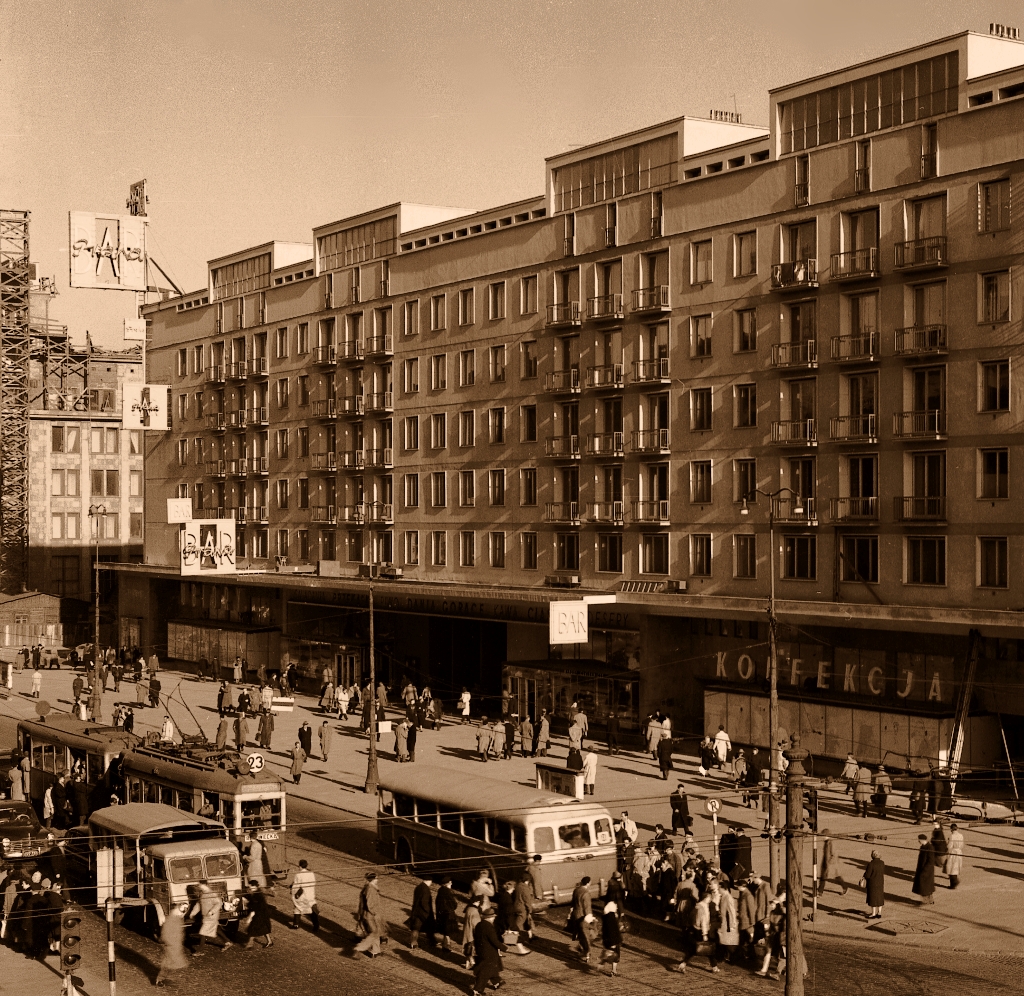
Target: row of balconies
column 374, row 513
column 380, row 346
column 861, row 264
column 258, row 366
column 238, row 467
column 930, row 424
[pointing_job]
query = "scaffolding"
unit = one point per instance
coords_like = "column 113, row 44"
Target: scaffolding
column 15, row 280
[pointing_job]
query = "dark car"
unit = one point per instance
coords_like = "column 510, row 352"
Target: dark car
column 22, row 836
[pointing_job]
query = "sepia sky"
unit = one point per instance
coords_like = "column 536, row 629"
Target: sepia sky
column 257, row 120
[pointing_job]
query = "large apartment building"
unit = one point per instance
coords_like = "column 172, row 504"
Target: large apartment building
column 703, row 334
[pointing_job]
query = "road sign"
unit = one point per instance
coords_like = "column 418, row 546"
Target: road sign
column 256, row 761
column 713, row 806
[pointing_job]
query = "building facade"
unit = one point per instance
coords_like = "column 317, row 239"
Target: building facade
column 703, row 336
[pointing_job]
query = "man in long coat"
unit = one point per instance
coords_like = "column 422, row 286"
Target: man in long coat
column 421, row 917
column 488, row 948
column 924, row 876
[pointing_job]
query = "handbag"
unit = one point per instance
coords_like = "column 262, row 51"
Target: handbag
column 706, row 948
column 510, row 937
column 728, row 938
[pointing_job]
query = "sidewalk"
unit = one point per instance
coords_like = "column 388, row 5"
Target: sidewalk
column 985, row 914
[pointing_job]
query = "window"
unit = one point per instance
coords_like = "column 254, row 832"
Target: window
column 609, row 552
column 439, row 548
column 467, row 367
column 182, row 452
column 439, row 431
column 746, row 331
column 995, row 297
column 134, row 483
column 745, row 264
column 654, row 553
column 439, row 372
column 282, row 494
column 134, row 442
column 700, row 482
column 496, row 480
column 467, row 488
column 528, row 486
column 411, row 318
column 992, row 561
column 746, row 405
column 497, row 364
column 302, row 439
column 567, row 551
column 800, row 558
column 745, row 555
column 199, row 402
column 302, row 544
column 56, row 526
column 926, row 560
column 700, row 335
column 700, row 555
column 104, row 440
column 197, row 358
column 302, row 341
column 700, row 261
column 995, row 386
column 528, row 545
column 438, row 316
column 411, row 375
column 994, row 473
column 466, row 306
column 282, row 444
column 994, row 206
column 328, row 544
column 303, row 487
column 57, row 483
column 496, row 544
column 529, row 423
column 438, row 489
column 529, row 355
column 412, row 432
column 859, row 555
column 412, row 547
column 354, row 546
column 182, row 406
column 528, row 295
column 182, row 357
column 496, row 424
column 467, row 548
column 134, row 525
column 281, row 344
column 303, row 384
column 282, row 542
column 105, row 483
column 700, row 409
column 496, row 300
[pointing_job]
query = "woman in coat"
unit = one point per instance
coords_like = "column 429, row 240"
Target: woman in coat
column 955, row 857
column 470, row 918
column 707, row 755
column 924, row 876
column 173, row 957
column 445, row 905
column 653, row 734
column 664, row 753
column 611, row 937
column 862, row 792
column 874, row 883
column 259, row 923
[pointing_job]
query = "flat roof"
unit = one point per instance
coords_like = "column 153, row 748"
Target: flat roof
column 136, row 818
column 81, row 733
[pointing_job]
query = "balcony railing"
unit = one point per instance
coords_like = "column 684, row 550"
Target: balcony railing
column 216, row 468
column 606, row 444
column 563, row 446
column 350, row 349
column 215, row 374
column 354, row 513
column 324, row 461
column 257, row 416
column 921, row 340
column 798, row 275
column 351, row 404
column 609, row 512
column 921, row 253
column 325, row 354
column 566, row 313
column 857, row 264
column 609, row 306
column 353, row 459
column 381, row 457
column 650, row 441
column 214, row 513
column 800, row 194
column 236, row 418
column 238, row 370
column 854, row 509
column 240, row 514
column 862, row 180
column 325, row 513
column 648, row 299
column 796, row 510
column 795, row 354
column 651, row 371
column 563, row 381
column 259, row 367
column 919, row 425
column 259, row 513
column 569, row 245
column 650, row 511
column 563, row 511
column 854, row 428
column 656, row 228
column 610, row 237
column 238, row 467
column 216, row 421
column 610, row 376
column 920, row 509
column 259, row 465
column 324, row 409
column 380, row 345
column 381, row 401
column 929, row 165
column 852, row 348
column 796, row 432
column 381, row 513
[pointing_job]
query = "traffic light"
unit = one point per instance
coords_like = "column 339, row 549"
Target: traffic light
column 812, row 810
column 70, row 938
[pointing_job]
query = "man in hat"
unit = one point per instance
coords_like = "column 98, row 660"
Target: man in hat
column 488, row 946
column 680, row 809
column 883, row 786
column 924, row 875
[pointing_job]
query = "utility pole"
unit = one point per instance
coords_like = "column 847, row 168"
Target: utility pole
column 796, row 756
column 371, row 759
column 96, row 513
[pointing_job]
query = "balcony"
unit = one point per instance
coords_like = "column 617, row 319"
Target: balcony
column 259, row 366
column 566, row 313
column 214, row 513
column 650, row 441
column 921, row 253
column 351, row 404
column 352, row 459
column 606, row 308
column 259, row 514
column 237, row 467
column 860, row 348
column 801, row 274
column 324, row 409
column 259, row 465
column 859, row 264
column 854, row 429
column 238, row 370
column 801, row 510
column 354, row 513
column 610, row 513
column 216, row 421
column 257, row 416
column 215, row 468
column 236, row 418
column 920, row 509
column 325, row 355
column 569, row 245
column 382, row 458
column 656, row 228
column 563, row 381
column 566, row 447
column 324, row 461
column 610, row 237
column 610, row 377
column 327, row 514
column 921, row 340
column 796, row 432
column 382, row 401
column 606, row 444
column 929, row 165
column 381, row 513
column 920, row 425
column 240, row 514
column 801, row 194
column 350, row 349
column 380, row 345
column 215, row 374
column 651, row 300
column 862, row 180
column 651, row 371
column 566, row 512
column 854, row 509
column 795, row 354
column 651, row 511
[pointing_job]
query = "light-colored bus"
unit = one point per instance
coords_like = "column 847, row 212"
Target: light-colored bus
column 443, row 820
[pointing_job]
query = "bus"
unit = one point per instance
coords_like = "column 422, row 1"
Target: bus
column 443, row 820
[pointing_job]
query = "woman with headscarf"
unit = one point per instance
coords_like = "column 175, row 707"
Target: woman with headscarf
column 611, row 937
column 874, row 884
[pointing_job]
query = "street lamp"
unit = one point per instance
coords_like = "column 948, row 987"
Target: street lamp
column 774, row 813
column 95, row 512
column 371, row 757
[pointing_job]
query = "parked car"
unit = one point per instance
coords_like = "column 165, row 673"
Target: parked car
column 22, row 836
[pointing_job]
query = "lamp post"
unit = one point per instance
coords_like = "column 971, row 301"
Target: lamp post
column 371, row 758
column 774, row 756
column 95, row 512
